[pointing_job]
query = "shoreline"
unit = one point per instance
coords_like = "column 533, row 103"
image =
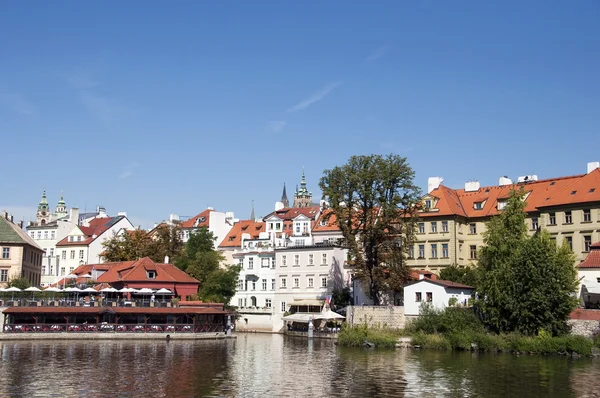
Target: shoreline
column 114, row 336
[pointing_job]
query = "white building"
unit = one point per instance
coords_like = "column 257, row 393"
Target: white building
column 589, row 277
column 435, row 292
column 217, row 222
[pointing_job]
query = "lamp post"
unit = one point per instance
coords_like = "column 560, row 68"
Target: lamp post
column 310, row 328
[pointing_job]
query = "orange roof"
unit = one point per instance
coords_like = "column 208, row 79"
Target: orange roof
column 119, row 310
column 589, row 315
column 234, row 237
column 289, row 213
column 580, row 188
column 593, row 258
column 199, row 220
column 329, row 221
column 136, row 271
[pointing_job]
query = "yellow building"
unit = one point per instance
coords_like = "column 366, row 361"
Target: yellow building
column 453, row 220
column 20, row 256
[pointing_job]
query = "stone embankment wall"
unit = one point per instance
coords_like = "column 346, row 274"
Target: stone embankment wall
column 376, row 316
column 586, row 328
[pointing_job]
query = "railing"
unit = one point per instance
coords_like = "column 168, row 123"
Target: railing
column 112, row 328
column 79, row 303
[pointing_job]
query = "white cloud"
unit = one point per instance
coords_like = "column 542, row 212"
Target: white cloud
column 128, row 172
column 378, row 53
column 315, row 97
column 17, row 103
column 275, row 126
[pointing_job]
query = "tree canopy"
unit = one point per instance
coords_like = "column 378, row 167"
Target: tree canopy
column 526, row 284
column 465, row 275
column 375, row 203
column 132, row 245
column 200, row 260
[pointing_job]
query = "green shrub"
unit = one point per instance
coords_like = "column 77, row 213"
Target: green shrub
column 597, row 341
column 460, row 340
column 432, row 341
column 357, row 335
column 579, row 345
column 489, row 342
column 448, row 320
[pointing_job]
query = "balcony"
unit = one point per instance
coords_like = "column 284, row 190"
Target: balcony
column 255, row 310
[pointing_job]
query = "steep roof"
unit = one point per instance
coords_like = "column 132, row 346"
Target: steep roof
column 11, row 233
column 443, row 283
column 289, row 213
column 234, row 237
column 329, row 221
column 96, row 227
column 593, row 258
column 199, row 220
column 137, row 272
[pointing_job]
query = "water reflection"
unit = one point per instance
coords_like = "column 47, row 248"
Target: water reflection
column 272, row 365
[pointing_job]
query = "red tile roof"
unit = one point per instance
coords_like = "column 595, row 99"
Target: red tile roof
column 289, row 213
column 234, row 237
column 118, row 310
column 199, row 220
column 96, row 227
column 587, row 315
column 593, row 258
column 443, row 283
column 136, row 271
column 329, row 221
column 581, row 188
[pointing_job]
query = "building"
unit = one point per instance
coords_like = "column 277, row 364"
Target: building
column 291, row 226
column 302, row 197
column 20, row 256
column 83, row 243
column 452, row 221
column 588, row 273
column 217, row 222
column 437, row 293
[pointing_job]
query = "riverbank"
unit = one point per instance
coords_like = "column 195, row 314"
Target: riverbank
column 115, row 336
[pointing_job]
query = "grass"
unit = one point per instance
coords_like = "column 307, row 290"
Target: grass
column 356, row 336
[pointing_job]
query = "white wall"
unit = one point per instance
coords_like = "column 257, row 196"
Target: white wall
column 589, row 278
column 96, row 248
column 441, row 296
column 218, row 226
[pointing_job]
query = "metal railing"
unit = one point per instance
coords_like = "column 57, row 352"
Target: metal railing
column 112, row 328
column 80, row 303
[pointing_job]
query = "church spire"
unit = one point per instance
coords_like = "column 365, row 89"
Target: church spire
column 252, row 213
column 284, row 198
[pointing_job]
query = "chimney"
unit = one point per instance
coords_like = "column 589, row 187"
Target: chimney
column 166, row 259
column 591, row 166
column 5, row 214
column 20, row 224
column 74, row 215
column 471, row 186
column 278, row 206
column 502, row 181
column 421, row 276
column 12, row 219
column 433, row 183
column 173, row 218
column 122, row 213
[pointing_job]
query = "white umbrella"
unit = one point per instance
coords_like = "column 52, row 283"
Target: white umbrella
column 54, row 290
column 13, row 290
column 126, row 290
column 2, row 289
column 164, row 291
column 73, row 290
column 109, row 290
column 32, row 289
column 89, row 290
column 145, row 291
column 85, row 276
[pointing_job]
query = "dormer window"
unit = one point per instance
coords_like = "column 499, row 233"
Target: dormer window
column 323, row 223
column 151, row 274
column 501, row 205
column 428, row 204
column 478, row 205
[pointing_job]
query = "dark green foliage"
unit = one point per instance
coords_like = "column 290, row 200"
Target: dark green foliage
column 448, row 320
column 375, row 202
column 22, row 283
column 136, row 244
column 465, row 275
column 341, row 297
column 525, row 284
column 357, row 335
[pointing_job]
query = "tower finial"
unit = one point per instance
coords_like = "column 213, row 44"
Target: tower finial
column 284, row 198
column 252, row 214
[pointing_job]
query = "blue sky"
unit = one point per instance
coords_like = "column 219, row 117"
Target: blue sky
column 160, row 107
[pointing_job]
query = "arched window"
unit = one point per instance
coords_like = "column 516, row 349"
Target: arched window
column 253, row 301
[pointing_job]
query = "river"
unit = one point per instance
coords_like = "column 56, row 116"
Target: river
column 257, row 365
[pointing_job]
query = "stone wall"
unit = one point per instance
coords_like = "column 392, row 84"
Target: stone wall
column 376, row 316
column 586, row 328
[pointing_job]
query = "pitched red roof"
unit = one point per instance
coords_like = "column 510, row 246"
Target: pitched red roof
column 96, row 227
column 289, row 213
column 593, row 258
column 443, row 283
column 136, row 271
column 329, row 221
column 588, row 315
column 119, row 310
column 199, row 220
column 234, row 237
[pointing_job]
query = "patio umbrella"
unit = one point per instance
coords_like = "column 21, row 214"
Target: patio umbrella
column 164, row 291
column 89, row 290
column 70, row 276
column 13, row 290
column 85, row 276
column 109, row 290
column 53, row 290
column 32, row 289
column 126, row 290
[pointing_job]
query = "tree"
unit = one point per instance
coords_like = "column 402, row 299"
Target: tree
column 375, row 203
column 526, row 284
column 200, row 260
column 22, row 283
column 133, row 245
column 465, row 275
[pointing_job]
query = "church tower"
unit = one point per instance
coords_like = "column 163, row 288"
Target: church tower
column 61, row 208
column 284, row 198
column 43, row 211
column 302, row 198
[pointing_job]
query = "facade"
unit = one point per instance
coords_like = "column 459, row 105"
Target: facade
column 217, row 222
column 435, row 292
column 452, row 221
column 83, row 244
column 589, row 278
column 302, row 197
column 20, row 256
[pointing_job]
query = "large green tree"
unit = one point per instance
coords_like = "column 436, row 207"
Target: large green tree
column 525, row 283
column 132, row 245
column 375, row 202
column 465, row 275
column 200, row 259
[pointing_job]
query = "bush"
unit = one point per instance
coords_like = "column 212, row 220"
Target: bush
column 460, row 341
column 432, row 341
column 448, row 320
column 357, row 335
column 597, row 341
column 579, row 345
column 489, row 342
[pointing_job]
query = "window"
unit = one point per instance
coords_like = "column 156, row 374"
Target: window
column 4, row 275
column 427, row 204
column 240, row 286
column 283, row 306
column 151, row 274
column 501, row 205
column 298, row 228
column 44, row 253
column 587, row 242
column 81, row 254
column 6, row 253
column 311, row 282
column 283, row 283
column 64, row 255
column 552, row 219
column 473, row 228
column 568, row 217
column 45, row 234
column 310, row 259
column 264, row 262
column 421, row 227
column 445, row 250
column 296, row 259
column 324, row 281
column 72, row 254
column 272, row 284
column 418, row 297
column 587, row 215
column 251, row 263
column 296, row 282
column 253, row 285
column 434, row 250
column 264, row 284
column 270, row 225
column 240, row 302
column 268, row 303
column 62, row 270
column 411, row 252
column 53, row 235
column 429, row 297
column 534, row 223
column 32, row 235
column 71, row 269
column 473, row 252
column 283, row 261
column 433, row 226
column 51, row 252
column 421, row 251
column 569, row 240
column 39, row 235
column 79, row 238
column 324, row 259
column 278, row 226
column 444, row 226
column 241, row 263
column 478, row 205
column 272, row 262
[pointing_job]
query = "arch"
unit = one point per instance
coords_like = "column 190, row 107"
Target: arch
column 253, row 301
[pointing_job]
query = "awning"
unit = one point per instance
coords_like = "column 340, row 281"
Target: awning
column 306, row 302
column 301, row 317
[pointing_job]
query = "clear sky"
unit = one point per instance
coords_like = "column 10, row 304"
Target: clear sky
column 164, row 107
